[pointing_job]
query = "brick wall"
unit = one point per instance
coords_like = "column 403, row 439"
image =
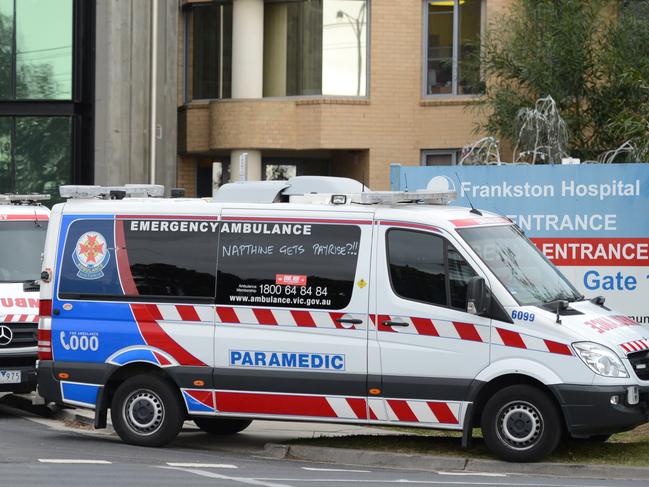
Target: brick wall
column 392, row 125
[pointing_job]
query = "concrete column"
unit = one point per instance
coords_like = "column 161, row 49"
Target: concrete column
column 122, row 92
column 247, row 70
column 247, row 48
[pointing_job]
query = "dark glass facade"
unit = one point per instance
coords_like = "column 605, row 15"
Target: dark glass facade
column 46, row 94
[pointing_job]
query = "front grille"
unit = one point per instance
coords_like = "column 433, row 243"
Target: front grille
column 640, row 363
column 22, row 335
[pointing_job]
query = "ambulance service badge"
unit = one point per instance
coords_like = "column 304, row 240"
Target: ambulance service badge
column 91, row 255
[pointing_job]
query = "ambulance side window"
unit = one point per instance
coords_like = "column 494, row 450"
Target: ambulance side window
column 152, row 260
column 426, row 268
column 417, row 268
column 287, row 265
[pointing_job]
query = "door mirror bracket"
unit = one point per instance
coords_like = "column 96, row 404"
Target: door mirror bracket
column 477, row 296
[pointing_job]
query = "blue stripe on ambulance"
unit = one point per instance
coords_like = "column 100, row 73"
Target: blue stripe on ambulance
column 110, row 323
column 79, row 394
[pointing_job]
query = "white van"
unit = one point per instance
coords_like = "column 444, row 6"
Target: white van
column 23, row 223
column 318, row 300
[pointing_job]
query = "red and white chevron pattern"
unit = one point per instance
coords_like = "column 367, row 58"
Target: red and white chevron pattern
column 636, row 345
column 185, row 312
column 509, row 338
column 19, row 319
column 353, row 408
column 415, row 411
column 284, row 317
column 426, row 326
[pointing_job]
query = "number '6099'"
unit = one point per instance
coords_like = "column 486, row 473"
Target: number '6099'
column 523, row 315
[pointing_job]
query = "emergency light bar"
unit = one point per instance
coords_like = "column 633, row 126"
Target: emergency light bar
column 8, row 198
column 424, row 196
column 112, row 192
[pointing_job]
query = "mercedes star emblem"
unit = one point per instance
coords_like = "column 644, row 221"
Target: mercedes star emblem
column 6, row 335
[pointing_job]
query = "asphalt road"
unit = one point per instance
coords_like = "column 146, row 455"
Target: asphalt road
column 41, row 452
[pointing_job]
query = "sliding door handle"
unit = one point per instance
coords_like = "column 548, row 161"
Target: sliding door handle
column 395, row 323
column 349, row 321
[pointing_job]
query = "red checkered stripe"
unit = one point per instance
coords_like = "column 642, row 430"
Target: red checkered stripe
column 277, row 404
column 342, row 407
column 416, row 411
column 254, row 316
column 635, row 345
column 19, row 319
column 185, row 312
column 285, row 317
column 514, row 339
column 469, row 332
column 425, row 326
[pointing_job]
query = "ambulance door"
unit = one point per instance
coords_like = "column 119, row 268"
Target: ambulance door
column 137, row 289
column 430, row 347
column 292, row 314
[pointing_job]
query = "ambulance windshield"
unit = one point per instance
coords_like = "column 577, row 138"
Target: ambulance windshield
column 519, row 265
column 21, row 246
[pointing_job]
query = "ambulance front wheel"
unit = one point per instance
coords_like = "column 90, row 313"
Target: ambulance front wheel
column 222, row 426
column 146, row 411
column 521, row 424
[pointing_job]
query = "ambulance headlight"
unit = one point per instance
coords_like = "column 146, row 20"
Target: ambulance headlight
column 600, row 359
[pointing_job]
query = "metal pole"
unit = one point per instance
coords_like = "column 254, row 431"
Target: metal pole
column 154, row 85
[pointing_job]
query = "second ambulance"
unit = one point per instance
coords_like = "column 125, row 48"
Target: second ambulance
column 23, row 223
column 310, row 300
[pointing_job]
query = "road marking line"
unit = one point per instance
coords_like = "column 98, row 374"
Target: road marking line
column 430, row 482
column 77, row 461
column 213, row 475
column 334, row 470
column 472, row 474
column 201, row 465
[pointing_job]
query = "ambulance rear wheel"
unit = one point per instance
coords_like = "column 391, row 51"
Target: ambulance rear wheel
column 521, row 424
column 222, row 426
column 146, row 411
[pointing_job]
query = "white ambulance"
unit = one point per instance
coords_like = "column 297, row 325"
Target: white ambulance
column 315, row 299
column 23, row 223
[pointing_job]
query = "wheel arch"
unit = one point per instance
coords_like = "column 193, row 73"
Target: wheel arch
column 119, row 375
column 485, row 390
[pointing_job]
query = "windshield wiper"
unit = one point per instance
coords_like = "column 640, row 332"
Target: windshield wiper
column 559, row 305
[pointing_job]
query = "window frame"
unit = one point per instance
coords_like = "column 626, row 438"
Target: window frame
column 188, row 51
column 293, row 306
column 80, row 107
column 122, row 298
column 454, row 153
column 456, row 50
column 447, row 282
column 188, row 77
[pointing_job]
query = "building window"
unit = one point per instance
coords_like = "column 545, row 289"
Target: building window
column 210, row 29
column 35, row 52
column 316, row 47
column 446, row 157
column 46, row 94
column 35, row 154
column 452, row 29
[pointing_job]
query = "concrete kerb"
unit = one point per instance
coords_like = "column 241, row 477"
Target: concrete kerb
column 365, row 458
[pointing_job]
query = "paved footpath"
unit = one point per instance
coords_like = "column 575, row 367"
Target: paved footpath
column 44, row 452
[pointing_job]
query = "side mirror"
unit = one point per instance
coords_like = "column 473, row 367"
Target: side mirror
column 477, row 296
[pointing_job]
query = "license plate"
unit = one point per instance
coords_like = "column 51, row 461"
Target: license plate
column 10, row 377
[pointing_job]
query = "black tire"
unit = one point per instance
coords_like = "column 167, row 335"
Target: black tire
column 146, row 411
column 222, row 426
column 521, row 424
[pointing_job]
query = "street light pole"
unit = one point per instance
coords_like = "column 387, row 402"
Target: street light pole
column 357, row 26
